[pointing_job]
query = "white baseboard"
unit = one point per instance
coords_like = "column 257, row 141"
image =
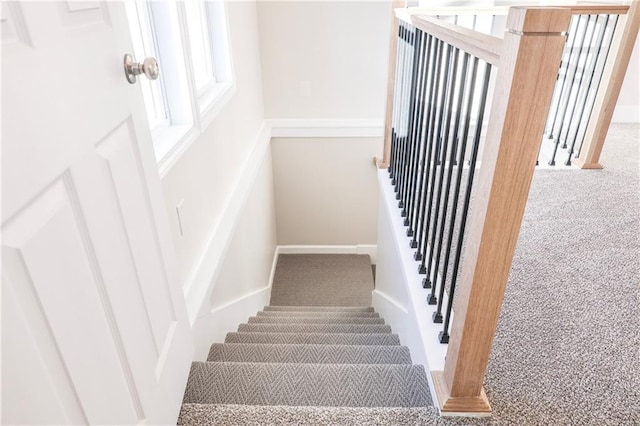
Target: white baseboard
column 225, row 319
column 214, row 326
column 626, row 114
column 370, row 249
column 326, row 128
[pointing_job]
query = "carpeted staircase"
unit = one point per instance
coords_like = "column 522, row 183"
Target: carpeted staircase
column 303, row 358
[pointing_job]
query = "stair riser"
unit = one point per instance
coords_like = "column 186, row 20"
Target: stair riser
column 318, row 308
column 314, row 320
column 314, row 314
column 309, row 354
column 314, row 328
column 308, row 385
column 314, row 338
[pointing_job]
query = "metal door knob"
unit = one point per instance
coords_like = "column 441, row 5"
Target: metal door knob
column 148, row 67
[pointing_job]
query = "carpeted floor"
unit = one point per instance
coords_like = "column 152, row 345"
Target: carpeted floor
column 322, row 280
column 567, row 349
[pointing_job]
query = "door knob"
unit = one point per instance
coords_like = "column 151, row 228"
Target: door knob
column 148, row 67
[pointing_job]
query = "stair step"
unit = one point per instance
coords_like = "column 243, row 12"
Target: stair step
column 330, row 314
column 330, row 385
column 320, row 308
column 314, row 338
column 314, row 320
column 314, row 328
column 309, row 354
column 242, row 415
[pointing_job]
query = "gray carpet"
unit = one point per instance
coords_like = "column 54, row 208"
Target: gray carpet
column 379, row 339
column 255, row 415
column 322, row 280
column 331, row 385
column 309, row 357
column 309, row 354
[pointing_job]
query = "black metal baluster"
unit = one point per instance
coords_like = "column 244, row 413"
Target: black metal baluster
column 452, row 158
column 399, row 128
column 395, row 106
column 433, row 164
column 404, row 188
column 573, row 30
column 468, row 95
column 584, row 103
column 440, row 99
column 419, row 224
column 403, row 113
column 604, row 62
column 444, row 334
column 429, row 140
column 417, row 75
column 552, row 162
column 448, row 98
column 579, row 86
column 413, row 211
column 415, row 140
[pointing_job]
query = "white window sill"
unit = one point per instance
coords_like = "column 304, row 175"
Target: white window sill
column 213, row 100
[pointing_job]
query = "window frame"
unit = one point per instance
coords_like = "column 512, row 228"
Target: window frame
column 189, row 111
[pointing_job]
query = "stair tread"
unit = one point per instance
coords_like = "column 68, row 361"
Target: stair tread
column 315, row 328
column 314, row 338
column 241, row 415
column 314, row 320
column 320, row 308
column 347, row 385
column 312, row 354
column 329, row 314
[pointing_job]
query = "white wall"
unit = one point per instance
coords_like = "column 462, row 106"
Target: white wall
column 247, row 264
column 206, row 174
column 326, row 190
column 340, row 48
column 628, row 106
column 243, row 285
column 215, row 177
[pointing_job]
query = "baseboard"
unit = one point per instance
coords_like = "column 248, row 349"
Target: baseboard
column 370, row 249
column 326, row 128
column 225, row 319
column 200, row 283
column 626, row 114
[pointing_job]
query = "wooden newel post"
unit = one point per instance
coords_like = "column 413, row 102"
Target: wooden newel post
column 529, row 62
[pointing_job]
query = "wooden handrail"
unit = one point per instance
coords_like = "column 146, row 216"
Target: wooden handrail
column 598, row 9
column 530, row 59
column 480, row 45
column 576, row 9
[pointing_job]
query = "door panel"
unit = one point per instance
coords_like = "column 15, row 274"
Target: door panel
column 93, row 303
column 47, row 260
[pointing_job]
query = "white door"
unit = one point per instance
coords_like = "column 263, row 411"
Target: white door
column 94, row 328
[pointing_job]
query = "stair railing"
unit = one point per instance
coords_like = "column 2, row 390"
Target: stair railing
column 593, row 66
column 442, row 93
column 599, row 45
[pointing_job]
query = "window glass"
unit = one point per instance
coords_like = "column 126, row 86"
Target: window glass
column 145, row 45
column 200, row 43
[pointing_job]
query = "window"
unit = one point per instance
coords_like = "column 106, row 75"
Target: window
column 144, row 45
column 189, row 40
